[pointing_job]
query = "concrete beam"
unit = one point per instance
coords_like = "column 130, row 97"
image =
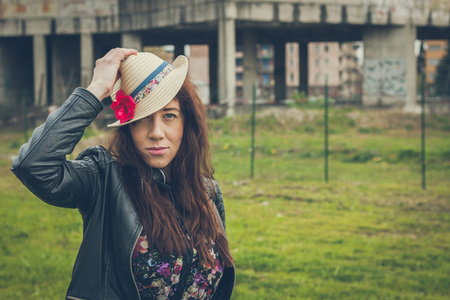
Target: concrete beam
column 68, row 17
column 201, row 13
column 107, row 24
column 420, row 16
column 440, row 17
column 12, row 27
column 40, row 71
column 333, row 13
column 286, row 12
column 38, row 27
column 88, row 25
column 401, row 16
column 310, row 13
column 65, row 26
column 256, row 11
column 380, row 15
column 356, row 14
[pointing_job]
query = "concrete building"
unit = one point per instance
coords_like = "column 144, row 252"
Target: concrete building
column 323, row 68
column 264, row 79
column 198, row 69
column 435, row 50
column 335, row 62
column 48, row 47
column 292, row 68
column 350, row 73
column 331, row 62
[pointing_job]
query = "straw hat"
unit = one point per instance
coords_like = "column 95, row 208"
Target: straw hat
column 147, row 84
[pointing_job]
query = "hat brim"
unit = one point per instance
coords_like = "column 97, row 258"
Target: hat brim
column 165, row 92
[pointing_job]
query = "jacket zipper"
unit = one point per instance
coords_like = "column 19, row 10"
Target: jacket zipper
column 131, row 266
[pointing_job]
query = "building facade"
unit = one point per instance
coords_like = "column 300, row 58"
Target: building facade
column 350, row 73
column 435, row 50
column 331, row 62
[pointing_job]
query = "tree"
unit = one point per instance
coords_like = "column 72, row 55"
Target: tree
column 442, row 81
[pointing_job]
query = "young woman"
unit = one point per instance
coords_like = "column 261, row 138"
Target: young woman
column 153, row 217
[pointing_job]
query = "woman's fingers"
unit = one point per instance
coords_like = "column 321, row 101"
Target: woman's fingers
column 122, row 52
column 106, row 71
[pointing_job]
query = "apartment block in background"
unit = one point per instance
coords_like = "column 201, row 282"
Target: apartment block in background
column 350, row 73
column 323, row 67
column 292, row 68
column 435, row 50
column 330, row 62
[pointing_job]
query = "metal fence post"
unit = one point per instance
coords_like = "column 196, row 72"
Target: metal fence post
column 422, row 123
column 326, row 131
column 421, row 71
column 252, row 149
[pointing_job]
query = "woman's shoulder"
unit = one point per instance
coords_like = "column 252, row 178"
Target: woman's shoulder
column 212, row 187
column 215, row 195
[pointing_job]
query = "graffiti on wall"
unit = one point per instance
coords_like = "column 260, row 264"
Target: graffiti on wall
column 385, row 76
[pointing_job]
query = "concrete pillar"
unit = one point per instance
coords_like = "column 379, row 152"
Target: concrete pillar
column 280, row 70
column 213, row 82
column 227, row 57
column 250, row 63
column 40, row 70
column 132, row 40
column 303, row 58
column 87, row 58
column 389, row 66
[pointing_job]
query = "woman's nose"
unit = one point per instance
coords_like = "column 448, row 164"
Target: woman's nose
column 156, row 131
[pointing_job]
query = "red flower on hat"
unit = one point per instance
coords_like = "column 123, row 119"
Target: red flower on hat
column 123, row 107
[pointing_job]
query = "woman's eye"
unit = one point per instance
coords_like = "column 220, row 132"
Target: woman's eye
column 170, row 116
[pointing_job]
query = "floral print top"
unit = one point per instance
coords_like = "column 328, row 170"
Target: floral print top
column 159, row 278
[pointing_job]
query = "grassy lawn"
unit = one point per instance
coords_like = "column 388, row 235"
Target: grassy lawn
column 370, row 233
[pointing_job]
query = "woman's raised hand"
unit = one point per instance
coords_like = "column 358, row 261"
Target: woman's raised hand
column 106, row 72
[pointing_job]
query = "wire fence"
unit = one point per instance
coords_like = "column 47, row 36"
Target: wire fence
column 26, row 116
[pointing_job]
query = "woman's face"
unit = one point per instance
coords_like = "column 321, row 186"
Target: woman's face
column 158, row 137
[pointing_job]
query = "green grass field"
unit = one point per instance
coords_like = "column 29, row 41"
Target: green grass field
column 370, row 233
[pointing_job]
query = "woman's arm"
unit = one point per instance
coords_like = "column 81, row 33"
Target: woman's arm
column 41, row 164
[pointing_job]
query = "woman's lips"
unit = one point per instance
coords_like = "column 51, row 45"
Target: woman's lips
column 157, row 150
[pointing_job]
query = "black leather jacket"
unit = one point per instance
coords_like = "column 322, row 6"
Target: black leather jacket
column 92, row 184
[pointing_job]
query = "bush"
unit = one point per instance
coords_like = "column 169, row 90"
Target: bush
column 299, row 97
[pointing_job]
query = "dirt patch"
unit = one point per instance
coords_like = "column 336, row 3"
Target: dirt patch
column 374, row 118
column 287, row 116
column 384, row 119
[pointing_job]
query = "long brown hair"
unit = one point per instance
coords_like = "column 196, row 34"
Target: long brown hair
column 192, row 175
